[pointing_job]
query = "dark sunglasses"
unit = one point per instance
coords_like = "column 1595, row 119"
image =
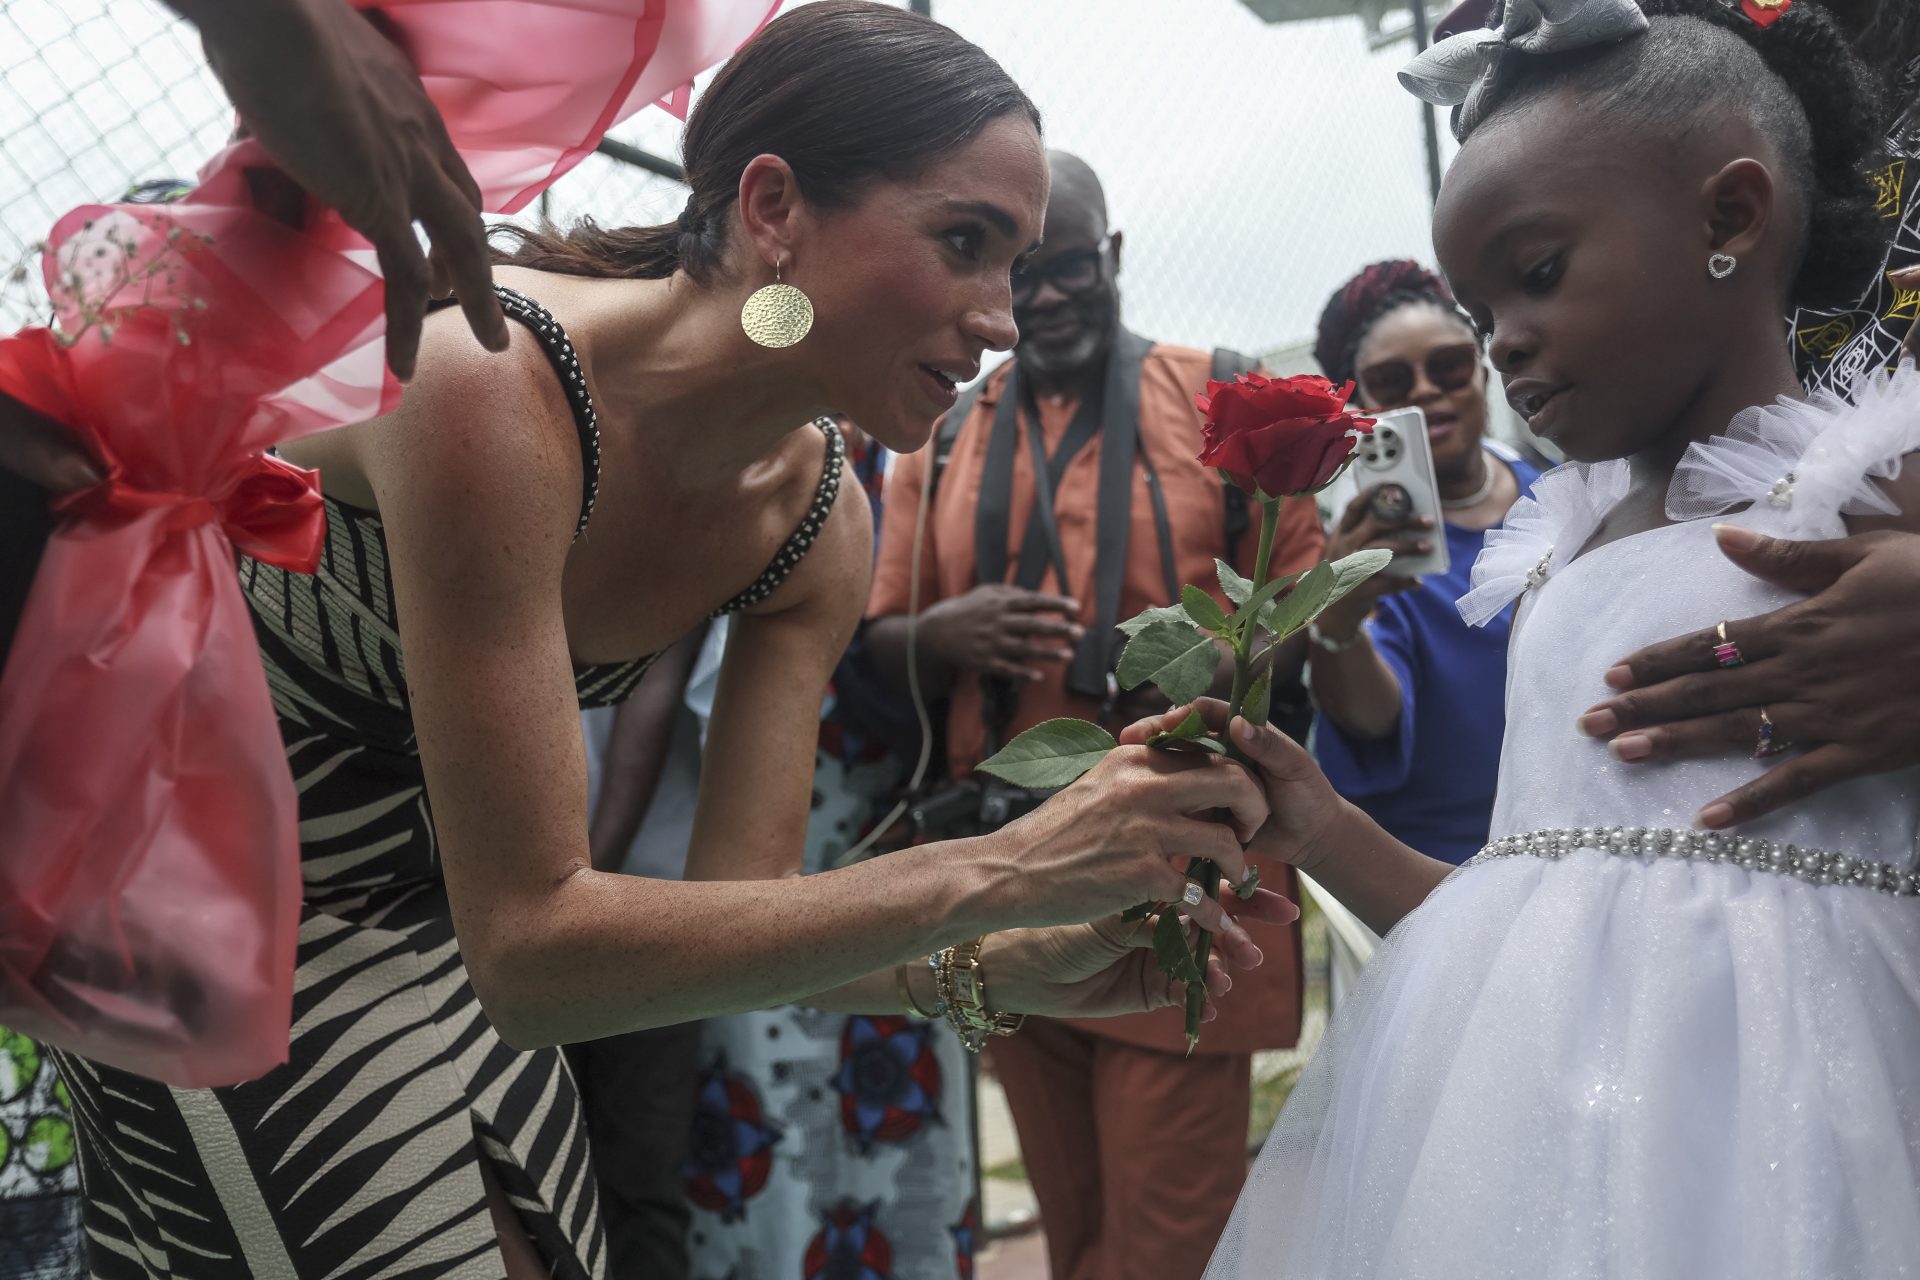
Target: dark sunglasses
column 1389, row 384
column 1072, row 272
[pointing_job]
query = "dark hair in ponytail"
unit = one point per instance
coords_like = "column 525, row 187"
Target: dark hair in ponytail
column 848, row 92
column 1797, row 80
column 1369, row 297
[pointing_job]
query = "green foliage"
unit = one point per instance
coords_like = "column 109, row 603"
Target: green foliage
column 1170, row 948
column 1051, row 754
column 1172, row 614
column 1259, row 699
column 1200, row 607
column 1236, row 587
column 1178, row 659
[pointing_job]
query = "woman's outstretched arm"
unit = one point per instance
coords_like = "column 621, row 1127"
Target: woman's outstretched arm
column 478, row 480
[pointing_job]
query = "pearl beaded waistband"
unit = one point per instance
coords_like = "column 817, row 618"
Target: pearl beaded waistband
column 1815, row 866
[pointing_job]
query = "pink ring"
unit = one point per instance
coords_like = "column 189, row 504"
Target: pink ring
column 1727, row 653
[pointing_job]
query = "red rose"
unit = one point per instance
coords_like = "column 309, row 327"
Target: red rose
column 1279, row 436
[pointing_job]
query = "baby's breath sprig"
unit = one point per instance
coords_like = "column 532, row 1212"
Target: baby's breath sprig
column 106, row 273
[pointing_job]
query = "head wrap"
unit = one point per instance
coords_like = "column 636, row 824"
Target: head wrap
column 1468, row 71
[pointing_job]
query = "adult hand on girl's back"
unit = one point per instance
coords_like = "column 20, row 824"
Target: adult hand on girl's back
column 1838, row 674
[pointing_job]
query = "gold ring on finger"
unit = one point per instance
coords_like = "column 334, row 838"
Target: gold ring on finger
column 1771, row 741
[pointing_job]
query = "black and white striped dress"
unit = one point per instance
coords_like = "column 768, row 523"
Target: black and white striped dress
column 358, row 1158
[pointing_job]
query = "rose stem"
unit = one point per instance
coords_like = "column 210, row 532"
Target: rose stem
column 1203, row 869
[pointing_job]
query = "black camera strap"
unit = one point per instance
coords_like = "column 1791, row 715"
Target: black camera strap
column 1115, row 416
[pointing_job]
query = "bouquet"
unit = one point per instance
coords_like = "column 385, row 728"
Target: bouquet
column 149, row 844
column 1273, row 438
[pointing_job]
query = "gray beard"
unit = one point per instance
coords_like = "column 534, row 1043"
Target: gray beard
column 1064, row 362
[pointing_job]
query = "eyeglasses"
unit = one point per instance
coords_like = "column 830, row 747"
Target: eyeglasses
column 1389, row 384
column 1075, row 271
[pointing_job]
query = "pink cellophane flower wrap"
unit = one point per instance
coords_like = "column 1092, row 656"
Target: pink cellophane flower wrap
column 149, row 853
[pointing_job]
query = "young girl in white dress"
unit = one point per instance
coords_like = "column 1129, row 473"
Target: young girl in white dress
column 1621, row 1042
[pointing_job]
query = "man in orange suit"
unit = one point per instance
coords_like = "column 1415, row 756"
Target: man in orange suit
column 1069, row 497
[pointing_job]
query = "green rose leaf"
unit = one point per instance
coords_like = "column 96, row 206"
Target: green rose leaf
column 1171, row 950
column 1051, row 754
column 1246, row 887
column 1180, row 660
column 1259, row 698
column 1189, row 735
column 1190, row 728
column 1255, row 605
column 1304, row 603
column 1204, row 746
column 1236, row 587
column 1323, row 585
column 1148, row 617
column 1350, row 571
column 1200, row 606
column 1140, row 912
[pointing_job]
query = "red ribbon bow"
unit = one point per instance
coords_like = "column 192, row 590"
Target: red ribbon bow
column 272, row 513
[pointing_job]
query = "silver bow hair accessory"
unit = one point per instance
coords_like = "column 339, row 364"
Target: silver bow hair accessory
column 1464, row 70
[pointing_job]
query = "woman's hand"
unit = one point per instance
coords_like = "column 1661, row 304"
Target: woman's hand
column 1359, row 529
column 1302, row 804
column 1122, row 835
column 1107, row 968
column 1837, row 674
column 1378, row 878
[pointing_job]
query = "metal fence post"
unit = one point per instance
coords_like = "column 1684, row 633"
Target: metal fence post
column 1427, row 120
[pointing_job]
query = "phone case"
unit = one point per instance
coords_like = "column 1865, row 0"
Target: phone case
column 1397, row 453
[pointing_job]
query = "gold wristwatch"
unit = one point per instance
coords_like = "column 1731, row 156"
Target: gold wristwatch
column 963, row 989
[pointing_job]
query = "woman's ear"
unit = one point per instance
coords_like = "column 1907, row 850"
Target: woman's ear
column 770, row 205
column 1739, row 203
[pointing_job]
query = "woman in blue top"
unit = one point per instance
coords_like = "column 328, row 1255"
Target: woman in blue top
column 1410, row 699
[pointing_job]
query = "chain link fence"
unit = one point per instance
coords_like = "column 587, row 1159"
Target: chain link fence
column 1251, row 164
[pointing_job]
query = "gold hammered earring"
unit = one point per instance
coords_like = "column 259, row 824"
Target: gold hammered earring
column 777, row 315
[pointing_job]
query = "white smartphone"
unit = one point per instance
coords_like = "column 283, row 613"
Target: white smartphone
column 1397, row 454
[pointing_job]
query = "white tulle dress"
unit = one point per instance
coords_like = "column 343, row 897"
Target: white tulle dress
column 1611, row 1046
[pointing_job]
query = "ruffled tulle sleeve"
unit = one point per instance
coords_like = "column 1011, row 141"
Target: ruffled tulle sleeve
column 1797, row 468
column 1541, row 535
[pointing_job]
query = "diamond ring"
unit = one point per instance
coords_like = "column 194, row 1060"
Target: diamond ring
column 1192, row 894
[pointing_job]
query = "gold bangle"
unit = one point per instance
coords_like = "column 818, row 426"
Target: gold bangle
column 962, row 985
column 905, row 987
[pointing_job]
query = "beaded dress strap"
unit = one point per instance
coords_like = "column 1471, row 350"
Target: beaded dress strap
column 560, row 354
column 794, row 549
